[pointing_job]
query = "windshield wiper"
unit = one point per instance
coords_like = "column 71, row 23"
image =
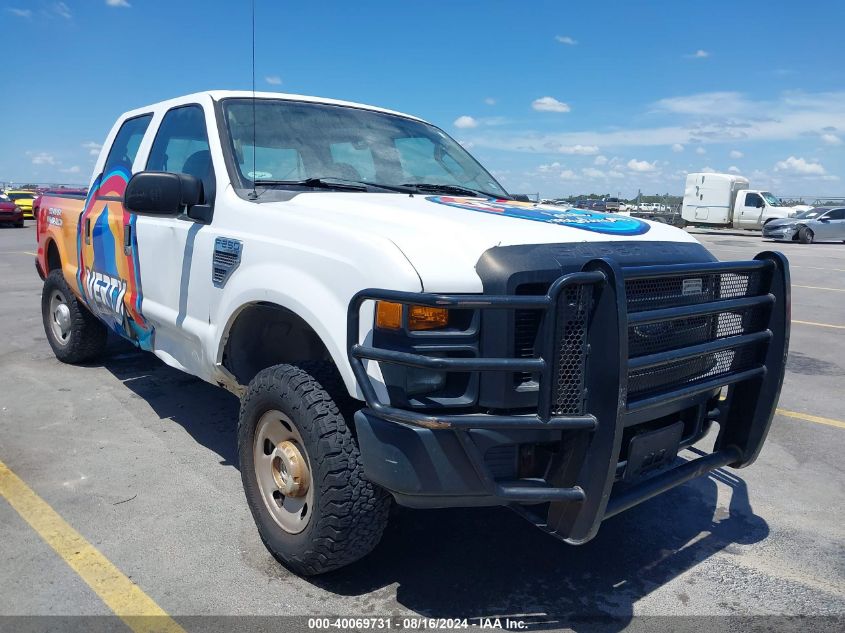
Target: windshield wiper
column 316, row 183
column 456, row 189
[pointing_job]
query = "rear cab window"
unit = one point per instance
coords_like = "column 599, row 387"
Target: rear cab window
column 124, row 149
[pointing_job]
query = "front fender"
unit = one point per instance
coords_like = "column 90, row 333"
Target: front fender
column 318, row 293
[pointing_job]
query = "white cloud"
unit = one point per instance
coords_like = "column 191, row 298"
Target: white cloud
column 677, row 148
column 831, row 139
column 565, row 39
column 118, row 3
column 592, row 172
column 615, row 174
column 71, row 170
column 62, row 10
column 568, row 174
column 735, row 153
column 273, row 80
column 465, row 121
column 699, row 54
column 708, row 170
column 548, row 167
column 576, row 150
column 490, row 101
column 600, row 160
column 93, row 148
column 726, row 117
column 707, row 103
column 700, row 151
column 734, row 169
column 549, row 104
column 42, row 158
column 641, row 165
column 20, row 13
column 801, row 167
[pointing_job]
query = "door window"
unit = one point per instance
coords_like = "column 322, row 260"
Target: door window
column 126, row 143
column 836, row 214
column 181, row 146
column 753, row 200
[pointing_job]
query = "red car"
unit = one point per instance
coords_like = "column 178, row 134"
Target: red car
column 10, row 212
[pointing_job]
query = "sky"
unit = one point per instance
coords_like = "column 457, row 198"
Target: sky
column 555, row 98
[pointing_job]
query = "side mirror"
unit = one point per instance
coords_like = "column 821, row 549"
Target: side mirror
column 162, row 193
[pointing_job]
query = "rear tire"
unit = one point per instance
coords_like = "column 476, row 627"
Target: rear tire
column 805, row 235
column 332, row 516
column 72, row 331
column 20, row 224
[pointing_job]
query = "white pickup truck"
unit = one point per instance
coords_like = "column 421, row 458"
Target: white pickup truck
column 725, row 200
column 399, row 328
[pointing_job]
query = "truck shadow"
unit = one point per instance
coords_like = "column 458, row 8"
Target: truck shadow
column 478, row 563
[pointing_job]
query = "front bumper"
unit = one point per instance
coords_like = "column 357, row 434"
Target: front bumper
column 595, row 386
column 11, row 216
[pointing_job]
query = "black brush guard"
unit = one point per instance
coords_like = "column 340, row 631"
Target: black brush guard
column 580, row 488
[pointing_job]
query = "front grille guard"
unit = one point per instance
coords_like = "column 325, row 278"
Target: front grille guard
column 581, row 497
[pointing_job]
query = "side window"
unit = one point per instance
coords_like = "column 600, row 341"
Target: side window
column 836, row 214
column 125, row 146
column 753, row 200
column 181, row 146
column 351, row 162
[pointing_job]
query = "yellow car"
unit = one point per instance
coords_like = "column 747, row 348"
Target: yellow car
column 23, row 198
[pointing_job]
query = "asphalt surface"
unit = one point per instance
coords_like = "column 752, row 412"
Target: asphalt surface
column 141, row 460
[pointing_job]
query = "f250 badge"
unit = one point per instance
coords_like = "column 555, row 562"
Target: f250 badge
column 607, row 223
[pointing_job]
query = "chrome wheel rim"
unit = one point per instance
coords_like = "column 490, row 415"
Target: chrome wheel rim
column 60, row 319
column 283, row 472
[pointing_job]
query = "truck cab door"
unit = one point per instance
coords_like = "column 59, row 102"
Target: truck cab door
column 176, row 252
column 751, row 207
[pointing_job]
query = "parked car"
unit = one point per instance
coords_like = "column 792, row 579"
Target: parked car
column 400, row 329
column 820, row 224
column 611, row 204
column 10, row 212
column 24, row 199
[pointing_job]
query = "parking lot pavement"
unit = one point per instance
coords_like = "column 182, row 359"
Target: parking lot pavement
column 140, row 460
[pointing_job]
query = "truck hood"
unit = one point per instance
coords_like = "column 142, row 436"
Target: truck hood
column 444, row 236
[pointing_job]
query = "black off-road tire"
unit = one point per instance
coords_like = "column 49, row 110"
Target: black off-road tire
column 20, row 224
column 805, row 235
column 349, row 512
column 87, row 336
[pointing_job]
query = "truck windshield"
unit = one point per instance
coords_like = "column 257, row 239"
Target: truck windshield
column 298, row 141
column 770, row 199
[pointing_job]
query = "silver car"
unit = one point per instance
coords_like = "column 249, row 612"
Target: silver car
column 820, row 224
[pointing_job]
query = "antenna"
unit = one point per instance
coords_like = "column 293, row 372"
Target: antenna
column 254, row 194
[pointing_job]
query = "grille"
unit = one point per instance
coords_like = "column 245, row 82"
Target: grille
column 676, row 333
column 568, row 394
column 672, row 292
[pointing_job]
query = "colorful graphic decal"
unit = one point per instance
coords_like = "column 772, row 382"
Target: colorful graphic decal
column 109, row 275
column 607, row 223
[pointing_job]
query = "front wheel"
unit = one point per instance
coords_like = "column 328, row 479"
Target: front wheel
column 72, row 331
column 302, row 471
column 806, row 235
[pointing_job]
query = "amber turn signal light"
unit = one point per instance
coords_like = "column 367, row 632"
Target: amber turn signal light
column 388, row 315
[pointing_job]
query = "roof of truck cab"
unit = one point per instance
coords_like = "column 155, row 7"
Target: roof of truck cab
column 218, row 95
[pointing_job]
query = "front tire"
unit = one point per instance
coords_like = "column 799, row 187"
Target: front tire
column 72, row 331
column 806, row 235
column 302, row 471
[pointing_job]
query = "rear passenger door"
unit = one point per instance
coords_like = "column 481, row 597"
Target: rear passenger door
column 106, row 266
column 172, row 261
